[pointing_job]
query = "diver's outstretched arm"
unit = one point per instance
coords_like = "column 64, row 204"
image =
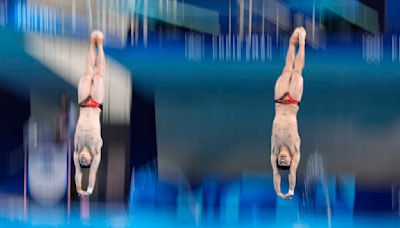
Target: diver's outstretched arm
column 78, row 174
column 292, row 175
column 276, row 175
column 93, row 171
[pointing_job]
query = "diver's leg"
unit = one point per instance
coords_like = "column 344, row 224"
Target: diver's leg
column 85, row 82
column 282, row 83
column 97, row 90
column 296, row 81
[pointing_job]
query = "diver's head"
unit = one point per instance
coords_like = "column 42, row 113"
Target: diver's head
column 85, row 158
column 284, row 158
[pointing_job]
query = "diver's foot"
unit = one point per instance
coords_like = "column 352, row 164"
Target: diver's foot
column 294, row 38
column 93, row 38
column 302, row 36
column 99, row 38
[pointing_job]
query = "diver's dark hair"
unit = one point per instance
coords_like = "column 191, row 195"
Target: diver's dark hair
column 282, row 167
column 84, row 166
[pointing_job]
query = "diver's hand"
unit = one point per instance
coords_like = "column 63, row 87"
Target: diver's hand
column 287, row 196
column 83, row 193
column 280, row 194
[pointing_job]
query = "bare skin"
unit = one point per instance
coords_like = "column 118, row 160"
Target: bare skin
column 88, row 141
column 285, row 140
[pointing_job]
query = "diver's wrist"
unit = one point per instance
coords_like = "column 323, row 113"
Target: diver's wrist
column 89, row 190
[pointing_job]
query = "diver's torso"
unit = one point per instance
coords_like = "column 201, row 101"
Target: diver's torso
column 284, row 127
column 88, row 129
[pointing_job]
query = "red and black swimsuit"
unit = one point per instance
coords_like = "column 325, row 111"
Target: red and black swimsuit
column 287, row 99
column 89, row 102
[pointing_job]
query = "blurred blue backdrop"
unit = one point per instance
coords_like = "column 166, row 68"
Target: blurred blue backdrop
column 190, row 87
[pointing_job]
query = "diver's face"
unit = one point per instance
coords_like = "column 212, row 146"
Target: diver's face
column 284, row 158
column 84, row 161
column 85, row 158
